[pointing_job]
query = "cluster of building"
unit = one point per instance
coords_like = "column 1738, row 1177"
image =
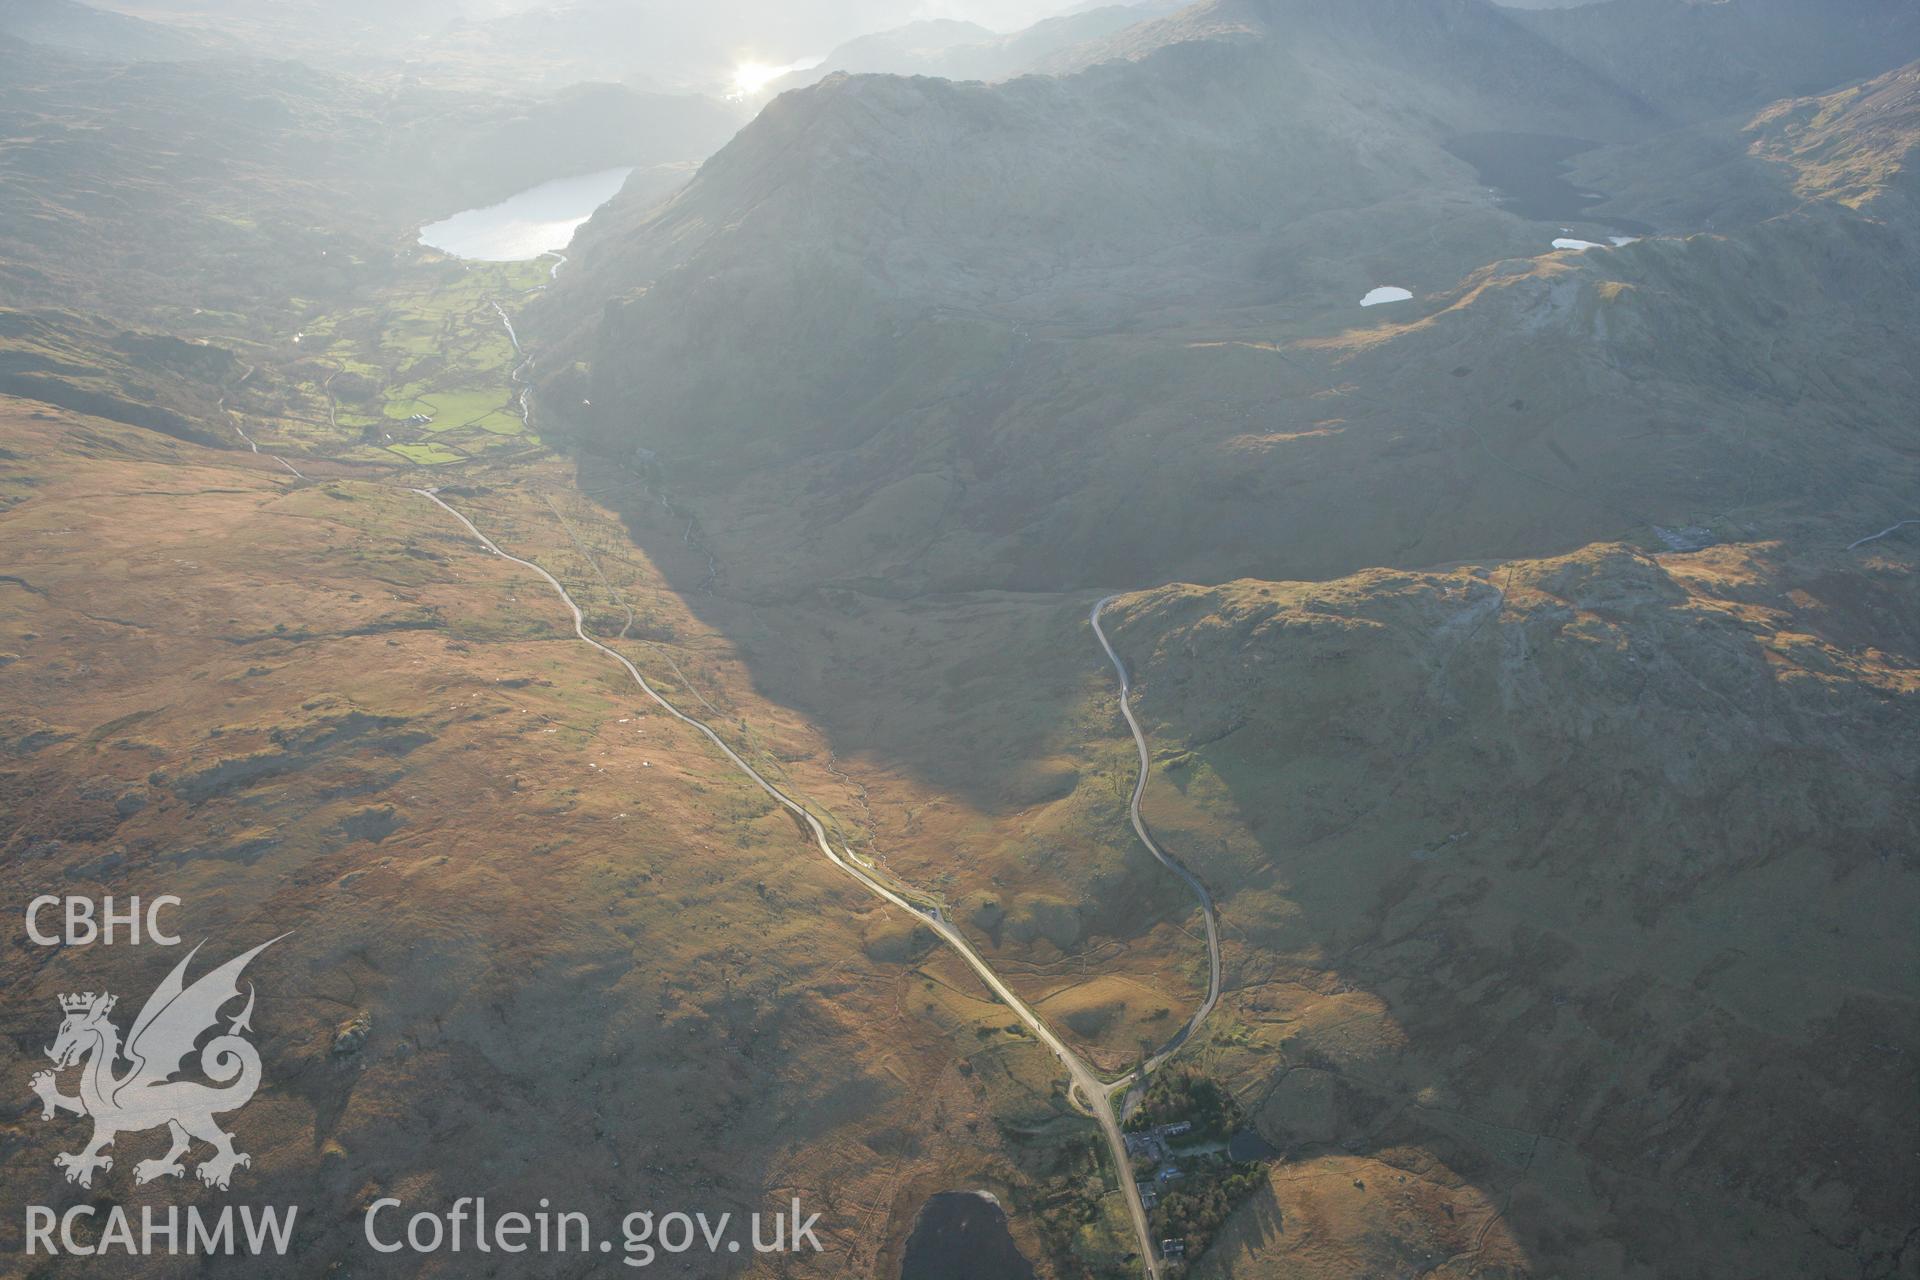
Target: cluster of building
column 1152, row 1144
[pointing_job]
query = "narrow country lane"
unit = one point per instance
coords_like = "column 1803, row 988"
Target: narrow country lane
column 1093, row 1095
column 1172, row 864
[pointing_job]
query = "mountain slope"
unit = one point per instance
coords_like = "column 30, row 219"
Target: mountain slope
column 97, row 33
column 1479, row 50
column 1703, row 60
column 1212, row 129
column 842, row 338
column 1564, row 881
column 1583, row 881
column 1859, row 147
column 319, row 709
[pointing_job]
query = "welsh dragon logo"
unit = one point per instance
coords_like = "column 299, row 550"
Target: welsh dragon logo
column 146, row 1096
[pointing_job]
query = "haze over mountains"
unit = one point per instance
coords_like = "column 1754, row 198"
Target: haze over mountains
column 78, row 28
column 264, row 166
column 658, row 46
column 956, row 50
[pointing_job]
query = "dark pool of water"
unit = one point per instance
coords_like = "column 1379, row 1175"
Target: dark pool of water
column 1249, row 1147
column 962, row 1236
column 1529, row 171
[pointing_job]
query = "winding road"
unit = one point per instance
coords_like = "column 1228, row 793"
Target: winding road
column 1088, row 1093
column 233, row 419
column 1883, row 533
column 1093, row 1095
column 1170, row 863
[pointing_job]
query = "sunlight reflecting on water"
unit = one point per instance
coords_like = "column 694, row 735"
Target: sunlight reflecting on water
column 539, row 220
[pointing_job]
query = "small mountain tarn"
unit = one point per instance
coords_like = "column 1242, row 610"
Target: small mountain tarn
column 1529, row 172
column 960, row 1235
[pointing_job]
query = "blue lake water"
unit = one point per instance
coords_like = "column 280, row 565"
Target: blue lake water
column 539, row 220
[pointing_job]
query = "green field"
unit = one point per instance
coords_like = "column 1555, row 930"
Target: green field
column 426, row 455
column 431, row 344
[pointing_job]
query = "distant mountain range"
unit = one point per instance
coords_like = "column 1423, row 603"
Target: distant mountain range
column 82, row 29
column 968, row 51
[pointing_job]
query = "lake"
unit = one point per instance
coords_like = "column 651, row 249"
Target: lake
column 1529, row 171
column 539, row 220
column 1385, row 294
column 963, row 1235
column 1248, row 1147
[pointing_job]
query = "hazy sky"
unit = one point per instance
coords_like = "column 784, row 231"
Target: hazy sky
column 785, row 31
column 812, row 27
column 1001, row 15
column 830, row 20
column 689, row 43
column 668, row 44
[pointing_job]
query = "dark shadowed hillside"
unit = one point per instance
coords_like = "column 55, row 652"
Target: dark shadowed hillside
column 1534, row 820
column 1701, row 60
column 847, row 332
column 1493, row 841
